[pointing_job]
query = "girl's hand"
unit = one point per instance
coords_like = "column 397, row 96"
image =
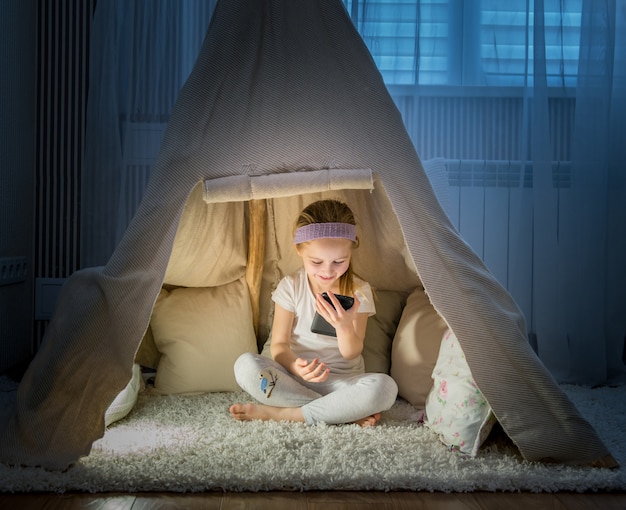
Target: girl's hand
column 315, row 371
column 337, row 317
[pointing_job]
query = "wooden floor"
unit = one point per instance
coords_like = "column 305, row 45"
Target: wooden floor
column 317, row 501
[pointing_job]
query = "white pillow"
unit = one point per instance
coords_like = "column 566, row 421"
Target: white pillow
column 126, row 399
column 455, row 407
column 200, row 332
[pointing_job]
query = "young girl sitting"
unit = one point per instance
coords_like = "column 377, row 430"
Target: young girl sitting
column 314, row 377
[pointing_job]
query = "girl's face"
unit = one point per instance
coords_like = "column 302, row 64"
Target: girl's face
column 325, row 260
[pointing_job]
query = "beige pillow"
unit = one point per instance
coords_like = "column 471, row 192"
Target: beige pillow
column 381, row 329
column 415, row 348
column 147, row 354
column 200, row 332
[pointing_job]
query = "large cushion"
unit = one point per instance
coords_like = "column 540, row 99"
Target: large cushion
column 455, row 408
column 200, row 332
column 381, row 328
column 415, row 348
column 147, row 354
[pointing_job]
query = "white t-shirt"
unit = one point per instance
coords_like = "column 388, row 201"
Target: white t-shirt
column 294, row 295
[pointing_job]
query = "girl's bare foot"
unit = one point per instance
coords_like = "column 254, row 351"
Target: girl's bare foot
column 248, row 412
column 368, row 421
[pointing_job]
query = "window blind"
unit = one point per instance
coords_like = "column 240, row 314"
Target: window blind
column 468, row 42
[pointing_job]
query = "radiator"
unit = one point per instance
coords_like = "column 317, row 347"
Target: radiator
column 491, row 204
column 62, row 72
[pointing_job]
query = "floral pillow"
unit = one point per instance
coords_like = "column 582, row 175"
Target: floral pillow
column 455, row 408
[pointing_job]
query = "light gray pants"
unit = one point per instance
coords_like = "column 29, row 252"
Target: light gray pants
column 339, row 399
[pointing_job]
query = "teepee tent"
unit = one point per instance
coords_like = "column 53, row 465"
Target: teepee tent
column 284, row 106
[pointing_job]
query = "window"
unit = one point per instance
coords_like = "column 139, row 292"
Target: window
column 468, row 42
column 503, row 41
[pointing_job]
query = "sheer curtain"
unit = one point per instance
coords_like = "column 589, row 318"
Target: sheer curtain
column 528, row 96
column 578, row 310
column 593, row 251
column 141, row 54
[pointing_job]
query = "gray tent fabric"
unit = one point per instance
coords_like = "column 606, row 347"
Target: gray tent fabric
column 284, row 87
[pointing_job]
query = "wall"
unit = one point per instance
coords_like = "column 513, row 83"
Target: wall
column 17, row 157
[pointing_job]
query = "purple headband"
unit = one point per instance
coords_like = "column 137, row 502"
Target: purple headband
column 325, row 231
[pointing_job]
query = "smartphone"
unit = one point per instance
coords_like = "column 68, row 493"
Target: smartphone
column 321, row 325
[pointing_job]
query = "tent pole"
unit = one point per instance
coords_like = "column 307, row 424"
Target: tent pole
column 257, row 225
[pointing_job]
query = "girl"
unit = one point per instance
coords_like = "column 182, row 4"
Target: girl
column 313, row 377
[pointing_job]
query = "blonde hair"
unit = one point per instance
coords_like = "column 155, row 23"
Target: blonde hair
column 331, row 211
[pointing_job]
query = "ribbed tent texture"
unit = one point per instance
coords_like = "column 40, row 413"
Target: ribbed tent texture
column 283, row 87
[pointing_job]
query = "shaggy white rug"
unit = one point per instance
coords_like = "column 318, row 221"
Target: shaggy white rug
column 191, row 444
